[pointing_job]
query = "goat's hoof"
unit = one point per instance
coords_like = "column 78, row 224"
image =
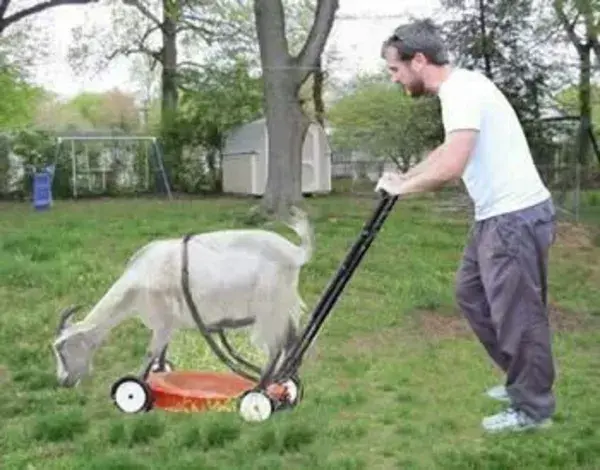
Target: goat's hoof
column 167, row 366
column 255, row 406
column 131, row 395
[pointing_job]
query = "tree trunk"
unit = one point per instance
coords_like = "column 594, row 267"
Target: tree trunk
column 170, row 94
column 484, row 41
column 169, row 69
column 318, row 80
column 585, row 109
column 584, row 49
column 283, row 76
column 287, row 126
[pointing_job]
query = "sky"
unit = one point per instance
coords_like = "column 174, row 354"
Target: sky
column 356, row 35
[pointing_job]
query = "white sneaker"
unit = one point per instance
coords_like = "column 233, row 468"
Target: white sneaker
column 512, row 420
column 498, row 393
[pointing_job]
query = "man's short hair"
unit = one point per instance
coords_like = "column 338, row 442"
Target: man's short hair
column 419, row 36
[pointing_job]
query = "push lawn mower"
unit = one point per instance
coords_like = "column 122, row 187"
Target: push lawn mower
column 255, row 398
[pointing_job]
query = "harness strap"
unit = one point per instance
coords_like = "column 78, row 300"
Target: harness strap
column 185, row 286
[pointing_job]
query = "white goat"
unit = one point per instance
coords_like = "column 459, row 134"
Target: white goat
column 237, row 278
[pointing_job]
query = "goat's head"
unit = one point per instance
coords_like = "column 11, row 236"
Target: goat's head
column 72, row 349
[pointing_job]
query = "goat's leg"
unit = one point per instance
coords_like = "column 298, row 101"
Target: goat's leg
column 291, row 341
column 162, row 359
column 271, row 365
column 156, row 349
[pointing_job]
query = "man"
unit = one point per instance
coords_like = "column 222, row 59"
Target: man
column 501, row 281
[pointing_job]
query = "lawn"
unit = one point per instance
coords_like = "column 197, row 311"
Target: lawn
column 395, row 379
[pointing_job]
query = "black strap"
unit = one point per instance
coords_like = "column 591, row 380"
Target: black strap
column 185, row 286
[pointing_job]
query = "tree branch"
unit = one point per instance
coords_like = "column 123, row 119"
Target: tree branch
column 207, row 34
column 190, row 17
column 144, row 11
column 147, row 34
column 4, row 7
column 308, row 57
column 591, row 30
column 567, row 25
column 19, row 15
column 596, row 48
column 140, row 49
column 190, row 64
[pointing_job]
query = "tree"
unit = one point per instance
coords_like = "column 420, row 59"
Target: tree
column 19, row 99
column 299, row 17
column 507, row 40
column 213, row 102
column 162, row 30
column 584, row 14
column 107, row 111
column 283, row 75
column 569, row 103
column 381, row 121
column 7, row 20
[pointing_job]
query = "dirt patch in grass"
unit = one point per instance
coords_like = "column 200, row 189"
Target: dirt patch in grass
column 420, row 324
column 569, row 321
column 570, row 235
column 375, row 340
column 442, row 325
column 436, row 325
column 578, row 245
column 454, row 325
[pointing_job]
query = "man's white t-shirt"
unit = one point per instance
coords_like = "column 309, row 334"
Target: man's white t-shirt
column 500, row 175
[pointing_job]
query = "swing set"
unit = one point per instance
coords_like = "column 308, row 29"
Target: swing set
column 101, row 162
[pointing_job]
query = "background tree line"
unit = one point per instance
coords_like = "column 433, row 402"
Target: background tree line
column 203, row 68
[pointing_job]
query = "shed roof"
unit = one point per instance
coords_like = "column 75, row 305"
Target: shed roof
column 247, row 138
column 250, row 137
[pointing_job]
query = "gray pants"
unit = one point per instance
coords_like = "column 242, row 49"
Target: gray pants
column 501, row 289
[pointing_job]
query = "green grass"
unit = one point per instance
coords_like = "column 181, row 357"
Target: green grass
column 395, row 380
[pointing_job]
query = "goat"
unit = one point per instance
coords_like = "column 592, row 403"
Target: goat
column 236, row 277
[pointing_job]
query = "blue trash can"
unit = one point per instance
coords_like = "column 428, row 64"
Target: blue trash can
column 42, row 189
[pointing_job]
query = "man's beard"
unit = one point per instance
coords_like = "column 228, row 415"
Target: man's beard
column 415, row 89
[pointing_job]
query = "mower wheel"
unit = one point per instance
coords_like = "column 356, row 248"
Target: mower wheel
column 255, row 406
column 295, row 390
column 131, row 395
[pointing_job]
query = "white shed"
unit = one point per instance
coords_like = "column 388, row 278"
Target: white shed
column 245, row 160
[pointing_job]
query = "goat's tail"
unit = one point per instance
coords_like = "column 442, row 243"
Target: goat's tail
column 300, row 224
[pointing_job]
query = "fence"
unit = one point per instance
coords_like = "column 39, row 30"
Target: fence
column 575, row 188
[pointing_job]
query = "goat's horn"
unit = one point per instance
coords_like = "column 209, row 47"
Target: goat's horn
column 65, row 316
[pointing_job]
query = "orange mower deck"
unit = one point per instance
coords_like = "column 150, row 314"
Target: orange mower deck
column 192, row 391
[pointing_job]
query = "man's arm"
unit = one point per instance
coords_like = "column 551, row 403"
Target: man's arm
column 422, row 165
column 446, row 163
